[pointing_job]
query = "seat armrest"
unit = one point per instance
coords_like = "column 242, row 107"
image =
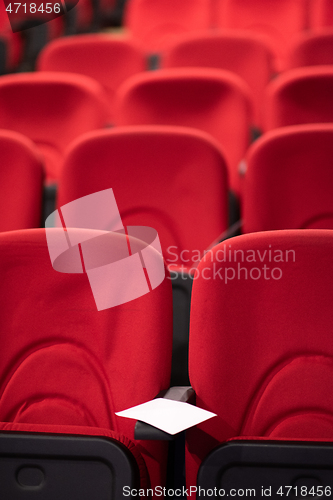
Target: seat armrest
column 185, row 394
column 147, row 432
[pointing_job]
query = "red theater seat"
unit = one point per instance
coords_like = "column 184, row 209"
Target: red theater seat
column 289, row 180
column 154, row 23
column 211, row 100
column 261, row 358
column 21, row 182
column 63, row 363
column 173, row 179
column 108, row 60
column 321, row 13
column 312, row 49
column 277, row 20
column 242, row 53
column 170, row 178
column 300, row 96
column 51, row 109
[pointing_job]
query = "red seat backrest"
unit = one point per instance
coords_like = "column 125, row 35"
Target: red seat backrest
column 154, row 23
column 289, row 179
column 108, row 60
column 62, row 361
column 51, row 109
column 21, row 182
column 276, row 20
column 312, row 49
column 211, row 100
column 300, row 96
column 261, row 345
column 242, row 53
column 321, row 13
column 170, row 178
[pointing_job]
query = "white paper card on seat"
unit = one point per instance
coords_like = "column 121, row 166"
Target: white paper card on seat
column 167, row 415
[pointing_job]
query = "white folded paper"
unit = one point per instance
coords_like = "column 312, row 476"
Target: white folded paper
column 167, row 415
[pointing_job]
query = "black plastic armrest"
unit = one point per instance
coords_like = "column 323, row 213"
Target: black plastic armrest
column 147, row 432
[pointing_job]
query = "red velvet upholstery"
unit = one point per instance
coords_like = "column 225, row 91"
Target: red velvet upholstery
column 242, row 53
column 277, row 20
column 64, row 363
column 154, row 23
column 211, row 100
column 312, row 49
column 170, row 178
column 21, row 182
column 321, row 13
column 108, row 60
column 302, row 95
column 261, row 348
column 51, row 109
column 289, row 179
